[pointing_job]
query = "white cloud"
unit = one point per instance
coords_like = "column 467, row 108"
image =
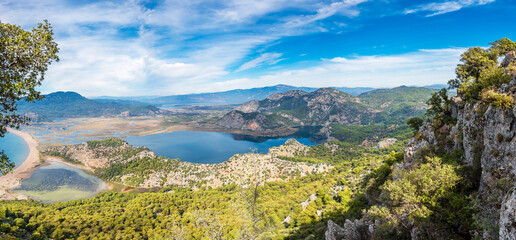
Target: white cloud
column 266, row 58
column 424, row 67
column 123, row 48
column 300, row 24
column 188, row 46
column 438, row 8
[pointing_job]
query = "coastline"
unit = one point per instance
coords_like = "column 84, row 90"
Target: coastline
column 31, row 163
column 14, row 178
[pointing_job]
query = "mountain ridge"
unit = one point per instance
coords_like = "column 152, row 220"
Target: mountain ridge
column 326, row 106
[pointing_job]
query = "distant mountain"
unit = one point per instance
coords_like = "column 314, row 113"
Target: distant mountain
column 326, row 106
column 72, row 104
column 319, row 108
column 355, row 91
column 437, row 86
column 120, row 101
column 237, row 96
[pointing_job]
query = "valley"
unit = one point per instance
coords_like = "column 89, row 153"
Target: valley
column 229, row 156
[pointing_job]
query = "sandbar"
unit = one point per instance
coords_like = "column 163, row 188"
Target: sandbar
column 14, row 178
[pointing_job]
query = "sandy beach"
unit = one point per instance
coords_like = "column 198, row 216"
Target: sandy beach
column 13, row 179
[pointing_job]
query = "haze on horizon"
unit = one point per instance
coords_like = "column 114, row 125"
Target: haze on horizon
column 167, row 47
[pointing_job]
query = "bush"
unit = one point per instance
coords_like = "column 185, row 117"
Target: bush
column 481, row 70
column 5, row 227
column 499, row 100
column 416, row 195
column 415, row 123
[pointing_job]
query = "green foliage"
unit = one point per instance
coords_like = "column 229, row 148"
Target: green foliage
column 357, row 134
column 397, row 104
column 139, row 167
column 440, row 109
column 503, row 46
column 226, row 212
column 24, row 59
column 499, row 100
column 5, row 165
column 421, row 197
column 110, row 142
column 415, row 123
column 480, row 69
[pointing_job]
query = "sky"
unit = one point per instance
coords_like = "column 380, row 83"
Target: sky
column 169, row 47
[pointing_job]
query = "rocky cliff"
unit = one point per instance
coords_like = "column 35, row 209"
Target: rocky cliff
column 485, row 136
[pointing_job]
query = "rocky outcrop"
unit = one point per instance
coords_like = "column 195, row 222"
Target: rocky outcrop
column 239, row 120
column 291, row 148
column 352, row 230
column 386, row 143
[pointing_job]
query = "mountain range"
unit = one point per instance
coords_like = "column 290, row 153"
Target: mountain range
column 326, row 106
column 236, row 96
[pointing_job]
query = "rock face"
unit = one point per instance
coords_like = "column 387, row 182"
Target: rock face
column 253, row 121
column 352, row 230
column 386, row 143
column 319, row 108
column 487, row 137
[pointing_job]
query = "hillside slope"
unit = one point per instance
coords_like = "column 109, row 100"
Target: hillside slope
column 73, row 105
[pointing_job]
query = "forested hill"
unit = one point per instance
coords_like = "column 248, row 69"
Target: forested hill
column 71, row 104
column 327, row 106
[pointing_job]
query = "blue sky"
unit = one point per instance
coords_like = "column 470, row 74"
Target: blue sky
column 165, row 47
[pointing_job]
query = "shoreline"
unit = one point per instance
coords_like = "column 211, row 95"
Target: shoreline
column 14, row 178
column 33, row 161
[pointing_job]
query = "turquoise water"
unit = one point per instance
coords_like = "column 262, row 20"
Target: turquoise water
column 204, row 147
column 15, row 148
column 59, row 182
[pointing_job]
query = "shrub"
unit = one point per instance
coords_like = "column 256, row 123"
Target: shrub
column 416, row 195
column 5, row 227
column 415, row 123
column 499, row 100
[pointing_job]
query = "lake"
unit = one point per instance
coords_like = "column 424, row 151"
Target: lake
column 205, row 147
column 59, row 182
column 15, row 148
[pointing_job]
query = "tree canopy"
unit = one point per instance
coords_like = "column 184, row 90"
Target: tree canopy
column 24, row 59
column 480, row 69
